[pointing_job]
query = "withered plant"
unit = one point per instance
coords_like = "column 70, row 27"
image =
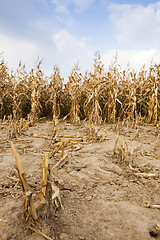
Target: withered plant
column 92, row 88
column 35, row 81
column 54, row 91
column 99, row 96
column 74, row 90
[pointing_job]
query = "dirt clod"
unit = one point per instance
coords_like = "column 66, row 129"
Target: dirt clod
column 63, row 236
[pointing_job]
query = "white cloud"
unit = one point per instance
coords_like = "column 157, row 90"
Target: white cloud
column 70, row 50
column 135, row 59
column 62, row 12
column 66, row 42
column 66, row 50
column 15, row 50
column 64, row 8
column 83, row 4
column 63, row 5
column 135, row 24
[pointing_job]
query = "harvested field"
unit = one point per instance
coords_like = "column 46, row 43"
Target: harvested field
column 108, row 191
column 79, row 160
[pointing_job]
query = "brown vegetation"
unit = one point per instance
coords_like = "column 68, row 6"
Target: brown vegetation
column 98, row 96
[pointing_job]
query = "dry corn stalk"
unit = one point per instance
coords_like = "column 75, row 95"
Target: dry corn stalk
column 61, row 162
column 29, row 208
column 73, row 87
column 146, row 175
column 115, row 145
column 100, row 95
column 48, row 185
column 54, row 191
column 54, row 90
column 49, row 190
column 132, row 149
column 44, row 173
column 123, row 150
column 94, row 134
column 40, row 233
column 154, row 206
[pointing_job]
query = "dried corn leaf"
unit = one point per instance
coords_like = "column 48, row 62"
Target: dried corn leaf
column 61, row 162
column 40, row 233
column 29, row 208
column 146, row 175
column 17, row 158
column 56, row 195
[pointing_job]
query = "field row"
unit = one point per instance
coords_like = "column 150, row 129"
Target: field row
column 98, row 96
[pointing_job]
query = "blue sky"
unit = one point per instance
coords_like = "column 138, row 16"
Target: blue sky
column 65, row 32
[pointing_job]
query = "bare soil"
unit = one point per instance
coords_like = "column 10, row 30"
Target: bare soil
column 103, row 197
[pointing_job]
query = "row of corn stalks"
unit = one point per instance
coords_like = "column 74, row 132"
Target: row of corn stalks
column 98, row 96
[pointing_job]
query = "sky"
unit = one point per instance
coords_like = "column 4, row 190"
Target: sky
column 70, row 32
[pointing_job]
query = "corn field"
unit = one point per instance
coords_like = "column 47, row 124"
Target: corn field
column 97, row 96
